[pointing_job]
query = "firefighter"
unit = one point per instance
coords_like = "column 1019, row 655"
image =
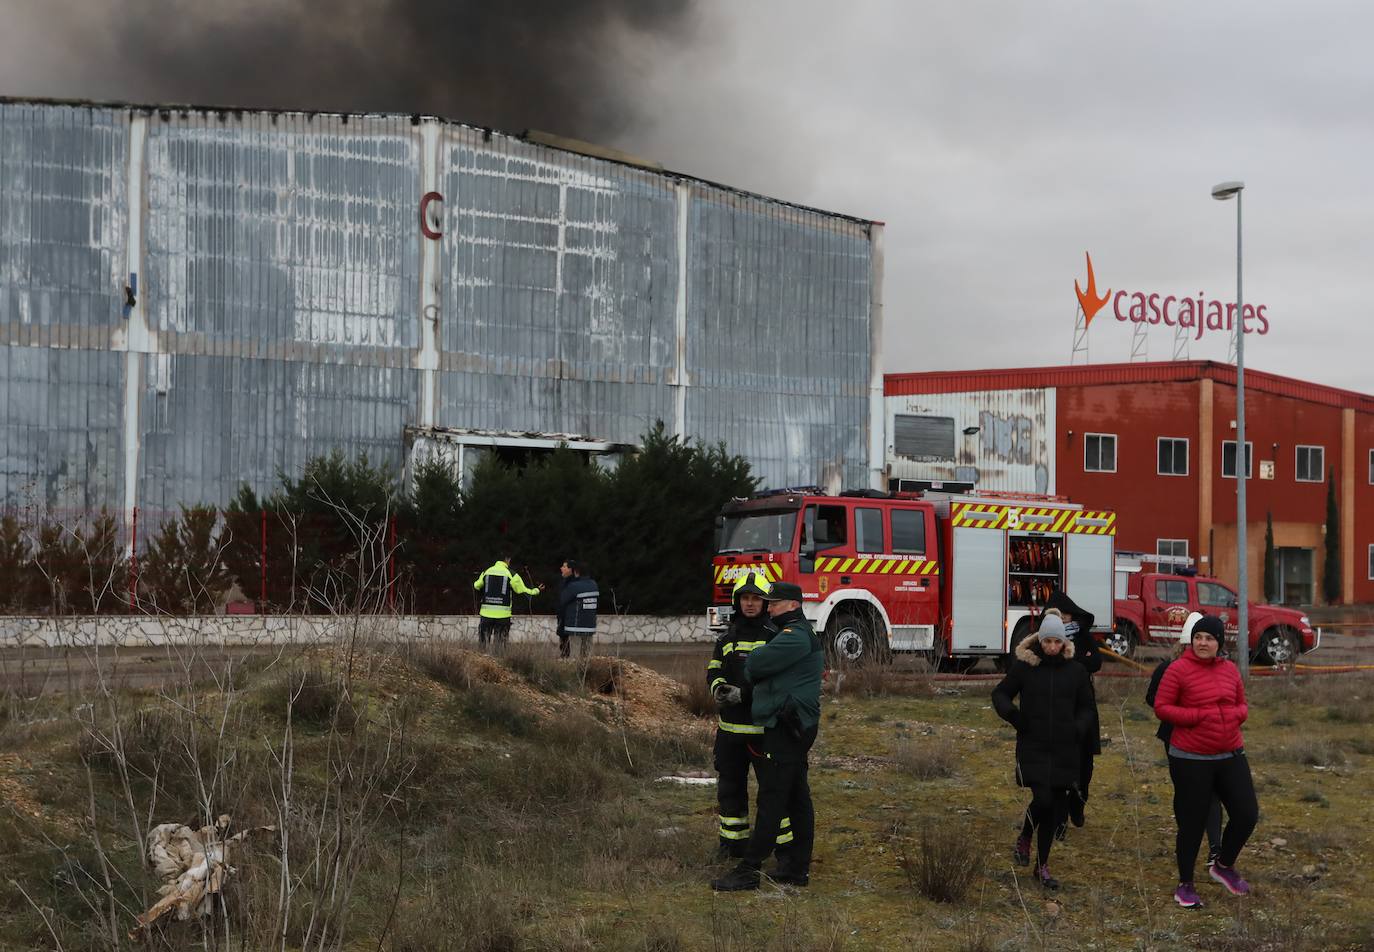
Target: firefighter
column 786, row 677
column 749, row 628
column 499, row 586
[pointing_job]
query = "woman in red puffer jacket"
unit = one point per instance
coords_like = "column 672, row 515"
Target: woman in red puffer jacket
column 1203, row 697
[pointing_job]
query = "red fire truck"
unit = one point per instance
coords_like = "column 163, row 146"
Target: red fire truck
column 955, row 576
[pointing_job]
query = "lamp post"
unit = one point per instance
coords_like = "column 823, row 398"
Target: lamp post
column 1221, row 193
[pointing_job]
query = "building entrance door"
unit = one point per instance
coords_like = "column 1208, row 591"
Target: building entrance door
column 1295, row 576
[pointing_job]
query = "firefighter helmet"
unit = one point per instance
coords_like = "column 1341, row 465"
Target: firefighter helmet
column 752, row 583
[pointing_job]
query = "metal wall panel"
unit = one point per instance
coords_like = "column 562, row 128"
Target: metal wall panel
column 282, row 228
column 1012, row 450
column 778, row 337
column 60, row 428
column 558, row 304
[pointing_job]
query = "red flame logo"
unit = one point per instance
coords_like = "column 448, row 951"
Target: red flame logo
column 1088, row 300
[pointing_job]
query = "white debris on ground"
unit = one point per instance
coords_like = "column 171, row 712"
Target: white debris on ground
column 193, row 865
column 689, row 781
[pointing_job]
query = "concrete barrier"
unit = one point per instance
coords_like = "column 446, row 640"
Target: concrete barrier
column 137, row 630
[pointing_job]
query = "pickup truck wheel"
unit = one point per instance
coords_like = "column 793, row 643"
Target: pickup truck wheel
column 1278, row 646
column 1122, row 640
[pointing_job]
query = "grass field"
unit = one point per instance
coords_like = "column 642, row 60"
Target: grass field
column 439, row 800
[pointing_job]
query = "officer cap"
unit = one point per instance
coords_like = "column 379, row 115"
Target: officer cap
column 784, row 592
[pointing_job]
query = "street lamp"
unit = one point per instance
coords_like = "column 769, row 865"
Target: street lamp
column 1221, row 193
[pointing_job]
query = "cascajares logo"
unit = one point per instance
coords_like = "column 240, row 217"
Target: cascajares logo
column 1198, row 314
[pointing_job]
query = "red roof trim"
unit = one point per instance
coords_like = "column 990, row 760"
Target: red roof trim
column 1098, row 375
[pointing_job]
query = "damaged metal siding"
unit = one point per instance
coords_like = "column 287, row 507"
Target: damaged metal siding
column 283, row 302
column 62, row 251
column 1012, row 450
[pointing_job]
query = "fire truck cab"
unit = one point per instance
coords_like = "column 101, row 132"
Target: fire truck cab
column 957, row 577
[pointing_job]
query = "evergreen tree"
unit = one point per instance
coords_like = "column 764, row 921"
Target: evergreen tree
column 183, row 570
column 1331, row 569
column 1270, row 568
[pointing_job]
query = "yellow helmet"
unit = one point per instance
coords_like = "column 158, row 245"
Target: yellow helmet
column 752, row 582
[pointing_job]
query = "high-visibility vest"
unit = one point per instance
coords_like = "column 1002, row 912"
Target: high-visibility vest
column 499, row 586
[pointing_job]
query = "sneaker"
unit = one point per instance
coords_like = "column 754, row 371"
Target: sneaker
column 1020, row 853
column 1186, row 896
column 739, row 879
column 1042, row 873
column 1228, row 877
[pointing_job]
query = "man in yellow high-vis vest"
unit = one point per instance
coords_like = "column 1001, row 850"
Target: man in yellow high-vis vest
column 499, row 586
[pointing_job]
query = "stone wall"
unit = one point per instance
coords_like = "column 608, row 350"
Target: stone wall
column 135, row 630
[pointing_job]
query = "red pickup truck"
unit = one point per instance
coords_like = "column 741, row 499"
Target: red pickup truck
column 1156, row 605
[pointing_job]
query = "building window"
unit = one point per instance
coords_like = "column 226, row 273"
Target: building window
column 1311, row 464
column 1099, row 452
column 923, row 437
column 1172, row 548
column 908, row 531
column 1371, row 563
column 1173, row 456
column 1228, row 459
column 1371, row 467
column 868, row 530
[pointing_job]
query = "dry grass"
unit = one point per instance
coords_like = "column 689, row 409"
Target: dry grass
column 925, row 758
column 937, row 861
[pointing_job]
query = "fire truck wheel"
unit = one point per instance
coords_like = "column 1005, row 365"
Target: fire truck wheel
column 1122, row 640
column 851, row 639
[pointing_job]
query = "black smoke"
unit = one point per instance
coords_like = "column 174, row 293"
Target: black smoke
column 564, row 66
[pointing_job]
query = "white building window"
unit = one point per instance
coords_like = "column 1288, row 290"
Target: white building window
column 1173, row 456
column 1099, row 452
column 1172, row 548
column 1310, row 466
column 1228, row 459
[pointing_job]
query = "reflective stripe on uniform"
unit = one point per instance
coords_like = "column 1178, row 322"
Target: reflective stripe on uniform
column 748, row 645
column 714, row 664
column 734, row 820
column 717, row 681
column 784, row 838
column 740, row 728
column 733, row 834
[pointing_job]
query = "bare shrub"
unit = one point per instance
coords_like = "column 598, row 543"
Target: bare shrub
column 547, row 674
column 491, row 705
column 314, row 695
column 444, row 663
column 938, row 862
column 694, row 697
column 925, row 758
column 1311, row 752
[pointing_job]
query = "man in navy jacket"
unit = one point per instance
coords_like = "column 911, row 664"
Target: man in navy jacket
column 577, row 603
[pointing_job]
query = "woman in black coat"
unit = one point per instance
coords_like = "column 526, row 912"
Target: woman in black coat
column 1055, row 714
column 1078, row 625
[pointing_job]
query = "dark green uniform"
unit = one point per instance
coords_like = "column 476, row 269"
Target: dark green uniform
column 786, row 674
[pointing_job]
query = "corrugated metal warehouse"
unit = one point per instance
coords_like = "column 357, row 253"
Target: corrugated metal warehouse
column 195, row 298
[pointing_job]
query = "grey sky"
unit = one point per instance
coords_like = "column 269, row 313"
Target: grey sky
column 999, row 141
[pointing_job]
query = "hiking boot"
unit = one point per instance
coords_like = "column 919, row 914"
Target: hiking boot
column 1020, row 853
column 1042, row 875
column 739, row 879
column 1228, row 877
column 1186, row 896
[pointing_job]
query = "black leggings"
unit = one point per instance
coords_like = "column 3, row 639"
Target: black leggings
column 1048, row 811
column 1197, row 784
column 1213, row 820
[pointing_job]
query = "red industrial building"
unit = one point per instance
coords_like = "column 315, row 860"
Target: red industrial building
column 1156, row 443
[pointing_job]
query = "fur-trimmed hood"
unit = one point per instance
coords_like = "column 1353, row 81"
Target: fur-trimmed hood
column 1030, row 652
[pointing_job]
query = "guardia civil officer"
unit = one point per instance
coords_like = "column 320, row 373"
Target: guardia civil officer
column 786, row 678
column 749, row 628
column 499, row 586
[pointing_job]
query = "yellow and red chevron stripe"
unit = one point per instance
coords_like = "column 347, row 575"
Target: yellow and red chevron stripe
column 728, row 573
column 1033, row 518
column 878, row 566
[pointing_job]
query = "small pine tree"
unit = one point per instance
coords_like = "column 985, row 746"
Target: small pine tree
column 16, row 565
column 1331, row 570
column 183, row 571
column 1270, row 567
